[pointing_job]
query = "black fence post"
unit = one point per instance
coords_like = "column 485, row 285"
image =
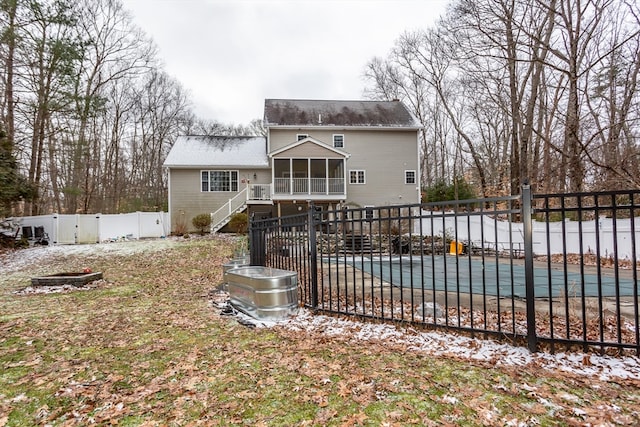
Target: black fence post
column 527, row 222
column 313, row 255
column 257, row 253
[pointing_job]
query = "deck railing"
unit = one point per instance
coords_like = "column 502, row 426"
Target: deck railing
column 259, row 192
column 309, row 186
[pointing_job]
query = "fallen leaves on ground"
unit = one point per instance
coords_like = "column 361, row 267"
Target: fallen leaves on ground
column 147, row 348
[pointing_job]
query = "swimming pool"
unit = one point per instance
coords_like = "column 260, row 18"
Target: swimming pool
column 490, row 277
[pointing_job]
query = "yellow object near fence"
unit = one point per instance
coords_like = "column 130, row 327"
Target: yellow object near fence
column 456, row 248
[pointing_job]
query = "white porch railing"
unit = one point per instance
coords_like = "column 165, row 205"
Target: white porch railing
column 259, row 192
column 309, row 186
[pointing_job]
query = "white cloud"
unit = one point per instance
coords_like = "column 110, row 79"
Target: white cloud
column 232, row 54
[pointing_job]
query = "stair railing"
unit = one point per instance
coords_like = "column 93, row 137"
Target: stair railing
column 228, row 209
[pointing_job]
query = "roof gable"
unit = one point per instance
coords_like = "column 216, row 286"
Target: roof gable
column 309, row 147
column 292, row 112
column 218, row 151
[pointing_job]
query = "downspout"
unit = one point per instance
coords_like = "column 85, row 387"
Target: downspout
column 344, row 174
column 169, row 202
column 419, row 173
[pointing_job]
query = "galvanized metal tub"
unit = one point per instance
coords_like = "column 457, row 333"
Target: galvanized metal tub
column 262, row 292
column 234, row 263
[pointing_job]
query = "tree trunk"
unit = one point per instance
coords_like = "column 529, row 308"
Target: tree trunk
column 10, row 40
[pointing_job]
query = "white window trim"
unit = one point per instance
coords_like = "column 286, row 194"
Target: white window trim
column 364, row 176
column 415, row 177
column 230, row 171
column 333, row 139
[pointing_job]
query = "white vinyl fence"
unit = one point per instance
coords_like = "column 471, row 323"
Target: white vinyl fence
column 498, row 235
column 95, row 228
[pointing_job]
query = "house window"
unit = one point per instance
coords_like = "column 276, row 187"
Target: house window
column 368, row 213
column 356, row 177
column 338, row 141
column 219, row 181
column 302, row 136
column 409, row 177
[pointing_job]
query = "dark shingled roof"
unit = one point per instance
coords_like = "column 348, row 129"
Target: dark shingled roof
column 293, row 112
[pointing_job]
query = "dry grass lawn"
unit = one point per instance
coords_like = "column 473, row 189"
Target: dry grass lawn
column 145, row 347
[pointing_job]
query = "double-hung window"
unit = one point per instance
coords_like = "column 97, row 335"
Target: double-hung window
column 338, row 141
column 356, row 177
column 409, row 177
column 219, row 181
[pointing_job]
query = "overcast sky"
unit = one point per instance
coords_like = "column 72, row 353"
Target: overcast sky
column 232, row 54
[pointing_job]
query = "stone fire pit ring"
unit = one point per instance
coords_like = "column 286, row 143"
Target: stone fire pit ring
column 70, row 278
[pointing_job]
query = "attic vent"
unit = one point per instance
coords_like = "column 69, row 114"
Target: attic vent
column 319, row 119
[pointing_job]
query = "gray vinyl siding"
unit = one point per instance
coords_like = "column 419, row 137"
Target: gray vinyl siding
column 383, row 154
column 187, row 199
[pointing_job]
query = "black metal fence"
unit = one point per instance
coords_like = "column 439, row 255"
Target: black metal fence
column 540, row 270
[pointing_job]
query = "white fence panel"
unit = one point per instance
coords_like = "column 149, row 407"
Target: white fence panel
column 65, row 231
column 153, row 224
column 118, row 227
column 93, row 228
column 612, row 237
column 88, row 229
column 468, row 228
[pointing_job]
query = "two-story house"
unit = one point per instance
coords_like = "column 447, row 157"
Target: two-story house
column 331, row 153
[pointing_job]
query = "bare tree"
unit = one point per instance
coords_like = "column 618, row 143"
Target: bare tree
column 49, row 49
column 9, row 10
column 612, row 94
column 114, row 49
column 93, row 114
column 539, row 89
column 160, row 109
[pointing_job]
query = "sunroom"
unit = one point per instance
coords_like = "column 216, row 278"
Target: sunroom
column 309, row 169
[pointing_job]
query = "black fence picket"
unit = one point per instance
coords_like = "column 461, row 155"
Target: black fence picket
column 545, row 271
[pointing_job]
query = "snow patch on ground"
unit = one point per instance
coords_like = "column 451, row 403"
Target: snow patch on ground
column 58, row 289
column 21, row 259
column 436, row 344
